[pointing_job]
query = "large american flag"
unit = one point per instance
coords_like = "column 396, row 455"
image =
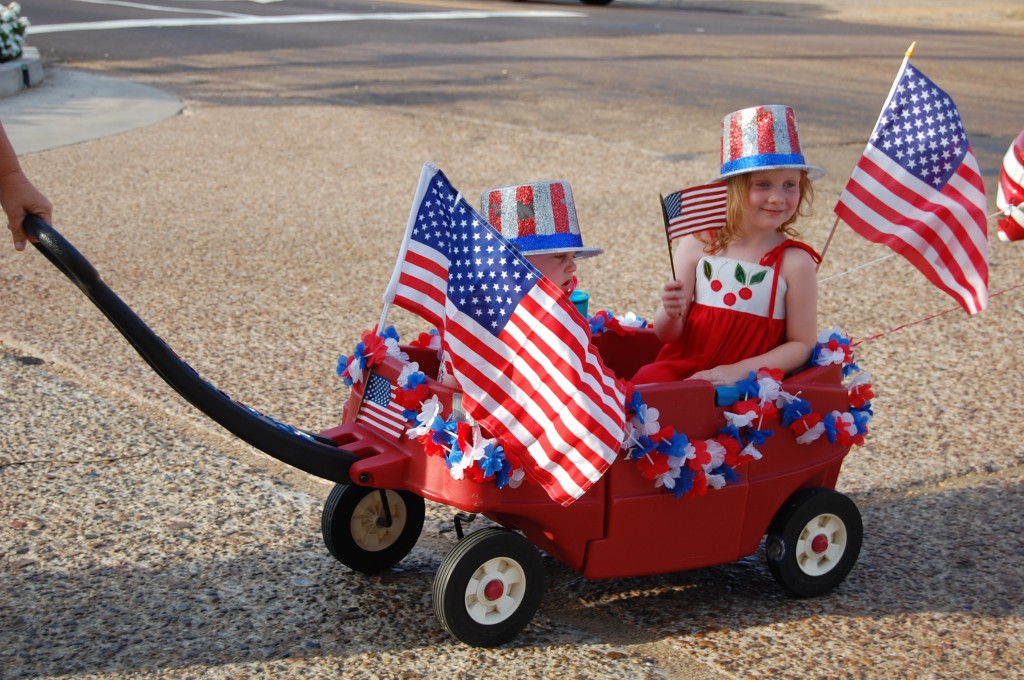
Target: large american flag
column 695, row 209
column 918, row 190
column 380, row 408
column 521, row 352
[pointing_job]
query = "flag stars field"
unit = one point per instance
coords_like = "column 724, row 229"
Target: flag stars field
column 919, row 113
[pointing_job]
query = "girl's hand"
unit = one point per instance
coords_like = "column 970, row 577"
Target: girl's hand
column 674, row 299
column 727, row 374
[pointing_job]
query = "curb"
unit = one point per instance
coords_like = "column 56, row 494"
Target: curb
column 77, row 106
column 22, row 73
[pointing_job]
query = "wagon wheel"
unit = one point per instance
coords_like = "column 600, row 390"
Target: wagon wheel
column 814, row 541
column 364, row 533
column 489, row 587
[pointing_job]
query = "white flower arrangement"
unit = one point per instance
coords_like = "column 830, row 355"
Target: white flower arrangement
column 12, row 32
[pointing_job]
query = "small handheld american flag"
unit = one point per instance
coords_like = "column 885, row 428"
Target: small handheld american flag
column 695, row 209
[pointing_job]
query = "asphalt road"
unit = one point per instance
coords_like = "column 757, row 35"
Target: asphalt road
column 255, row 232
column 539, row 70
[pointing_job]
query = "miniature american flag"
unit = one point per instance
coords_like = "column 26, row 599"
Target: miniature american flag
column 918, row 190
column 520, row 351
column 695, row 209
column 379, row 409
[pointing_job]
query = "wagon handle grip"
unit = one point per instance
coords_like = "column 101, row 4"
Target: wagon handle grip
column 309, row 452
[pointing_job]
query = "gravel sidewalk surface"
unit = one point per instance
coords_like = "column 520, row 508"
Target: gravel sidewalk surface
column 139, row 540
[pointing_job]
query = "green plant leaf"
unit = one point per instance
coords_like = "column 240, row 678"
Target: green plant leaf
column 741, row 275
column 708, row 273
column 758, row 277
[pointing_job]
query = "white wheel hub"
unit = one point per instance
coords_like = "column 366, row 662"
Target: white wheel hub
column 821, row 545
column 369, row 530
column 495, row 590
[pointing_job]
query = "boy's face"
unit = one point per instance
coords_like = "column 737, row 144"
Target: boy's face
column 559, row 267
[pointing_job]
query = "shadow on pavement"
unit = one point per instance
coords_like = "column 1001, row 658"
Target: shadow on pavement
column 265, row 605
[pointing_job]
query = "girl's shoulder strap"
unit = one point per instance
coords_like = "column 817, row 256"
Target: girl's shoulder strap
column 774, row 256
column 773, row 259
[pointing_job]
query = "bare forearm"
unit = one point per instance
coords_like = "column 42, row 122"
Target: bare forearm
column 787, row 357
column 8, row 158
column 668, row 327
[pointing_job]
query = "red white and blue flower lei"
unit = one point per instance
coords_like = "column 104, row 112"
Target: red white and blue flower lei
column 605, row 321
column 466, row 453
column 681, row 465
column 668, row 458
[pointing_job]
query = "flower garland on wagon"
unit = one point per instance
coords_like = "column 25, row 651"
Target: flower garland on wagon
column 605, row 321
column 668, row 458
column 681, row 465
column 466, row 453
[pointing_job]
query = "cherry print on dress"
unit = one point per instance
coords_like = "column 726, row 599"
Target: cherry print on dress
column 740, row 274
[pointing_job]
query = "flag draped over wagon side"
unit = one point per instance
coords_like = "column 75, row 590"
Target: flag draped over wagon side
column 519, row 349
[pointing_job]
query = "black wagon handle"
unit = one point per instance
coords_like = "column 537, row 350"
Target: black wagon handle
column 304, row 450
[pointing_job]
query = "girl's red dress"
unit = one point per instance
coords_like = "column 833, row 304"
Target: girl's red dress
column 738, row 312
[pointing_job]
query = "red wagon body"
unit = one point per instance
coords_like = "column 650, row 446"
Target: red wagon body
column 610, row 532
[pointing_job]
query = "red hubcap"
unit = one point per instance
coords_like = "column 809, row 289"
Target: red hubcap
column 819, row 543
column 494, row 590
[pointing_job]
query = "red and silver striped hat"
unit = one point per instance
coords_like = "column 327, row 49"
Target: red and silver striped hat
column 538, row 218
column 762, row 138
column 1010, row 195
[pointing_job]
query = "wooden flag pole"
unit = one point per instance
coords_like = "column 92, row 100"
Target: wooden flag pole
column 668, row 239
column 906, row 58
column 827, row 242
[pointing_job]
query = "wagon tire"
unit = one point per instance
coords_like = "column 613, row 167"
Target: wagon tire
column 355, row 529
column 489, row 587
column 813, row 542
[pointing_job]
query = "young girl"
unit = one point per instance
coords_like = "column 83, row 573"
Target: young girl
column 746, row 296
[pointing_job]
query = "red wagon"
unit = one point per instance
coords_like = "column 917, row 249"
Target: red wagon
column 491, row 584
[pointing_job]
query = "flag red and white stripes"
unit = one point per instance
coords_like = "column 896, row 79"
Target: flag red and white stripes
column 521, row 352
column 540, row 383
column 917, row 189
column 420, row 280
column 695, row 209
column 1010, row 194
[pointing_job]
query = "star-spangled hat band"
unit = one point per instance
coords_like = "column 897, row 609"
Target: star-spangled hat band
column 762, row 138
column 538, row 218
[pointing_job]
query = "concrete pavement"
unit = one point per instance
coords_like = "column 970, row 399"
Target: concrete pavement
column 71, row 106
